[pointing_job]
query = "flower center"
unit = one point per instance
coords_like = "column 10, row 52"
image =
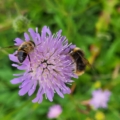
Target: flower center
column 44, row 65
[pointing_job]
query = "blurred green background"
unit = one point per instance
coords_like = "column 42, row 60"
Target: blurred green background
column 94, row 26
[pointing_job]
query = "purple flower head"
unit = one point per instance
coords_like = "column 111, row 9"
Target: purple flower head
column 100, row 98
column 54, row 111
column 50, row 62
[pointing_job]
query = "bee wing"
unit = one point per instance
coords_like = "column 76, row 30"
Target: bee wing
column 2, row 49
column 9, row 47
column 86, row 62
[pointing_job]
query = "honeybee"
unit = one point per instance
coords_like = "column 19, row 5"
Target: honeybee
column 80, row 61
column 24, row 49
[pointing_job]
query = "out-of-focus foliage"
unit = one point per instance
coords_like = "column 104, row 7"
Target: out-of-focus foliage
column 94, row 26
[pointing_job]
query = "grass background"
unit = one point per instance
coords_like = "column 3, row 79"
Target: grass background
column 94, row 26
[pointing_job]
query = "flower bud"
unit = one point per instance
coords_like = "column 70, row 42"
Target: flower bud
column 20, row 24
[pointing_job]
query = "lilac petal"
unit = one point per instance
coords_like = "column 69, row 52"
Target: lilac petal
column 15, row 65
column 35, row 99
column 70, row 81
column 32, row 90
column 48, row 31
column 33, row 35
column 107, row 93
column 39, row 97
column 94, row 93
column 16, row 80
column 72, row 46
column 25, row 89
column 17, row 74
column 59, row 92
column 104, row 105
column 24, row 83
column 39, row 38
column 45, row 31
column 66, row 91
column 63, row 39
column 22, row 67
column 49, row 94
column 75, row 76
column 59, row 33
column 18, row 41
column 13, row 58
column 27, row 38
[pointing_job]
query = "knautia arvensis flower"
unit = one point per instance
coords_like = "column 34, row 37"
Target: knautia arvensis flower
column 54, row 111
column 100, row 98
column 52, row 67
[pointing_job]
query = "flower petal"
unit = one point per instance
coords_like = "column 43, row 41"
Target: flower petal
column 45, row 31
column 17, row 74
column 59, row 92
column 25, row 89
column 16, row 80
column 27, row 38
column 22, row 67
column 33, row 35
column 24, row 83
column 15, row 65
column 49, row 94
column 13, row 58
column 32, row 90
column 39, row 97
column 59, row 33
column 66, row 91
column 18, row 41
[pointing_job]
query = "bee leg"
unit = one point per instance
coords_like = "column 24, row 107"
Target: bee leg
column 30, row 64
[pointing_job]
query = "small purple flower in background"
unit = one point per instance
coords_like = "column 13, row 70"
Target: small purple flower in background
column 54, row 111
column 100, row 98
column 50, row 62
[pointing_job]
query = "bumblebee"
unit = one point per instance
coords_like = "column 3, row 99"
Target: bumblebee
column 80, row 61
